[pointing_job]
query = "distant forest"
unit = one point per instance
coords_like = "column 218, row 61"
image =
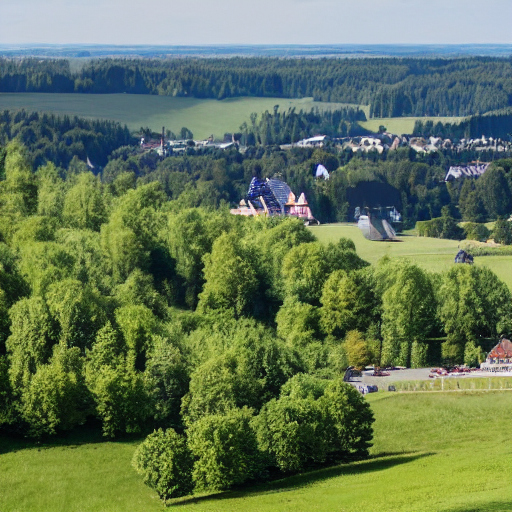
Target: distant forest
column 490, row 124
column 57, row 139
column 391, row 86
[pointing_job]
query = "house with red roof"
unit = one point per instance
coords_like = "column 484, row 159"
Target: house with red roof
column 500, row 357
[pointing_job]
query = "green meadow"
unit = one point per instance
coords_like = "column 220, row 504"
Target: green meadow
column 432, row 254
column 204, row 117
column 404, row 125
column 433, row 452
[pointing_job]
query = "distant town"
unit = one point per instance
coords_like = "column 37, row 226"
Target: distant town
column 377, row 143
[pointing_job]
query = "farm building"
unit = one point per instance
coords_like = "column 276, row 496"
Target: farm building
column 500, row 357
column 463, row 257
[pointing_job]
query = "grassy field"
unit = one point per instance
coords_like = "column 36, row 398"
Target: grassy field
column 404, row 125
column 203, row 117
column 433, row 452
column 432, row 254
column 78, row 473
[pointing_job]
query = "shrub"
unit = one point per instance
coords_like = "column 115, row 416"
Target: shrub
column 165, row 462
column 475, row 231
column 225, row 449
column 440, row 227
column 291, row 431
column 349, row 419
column 302, row 427
column 502, row 232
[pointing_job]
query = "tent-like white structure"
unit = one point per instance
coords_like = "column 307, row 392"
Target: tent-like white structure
column 321, row 171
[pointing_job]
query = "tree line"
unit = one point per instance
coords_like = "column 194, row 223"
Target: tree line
column 286, row 127
column 58, row 139
column 391, row 86
column 497, row 124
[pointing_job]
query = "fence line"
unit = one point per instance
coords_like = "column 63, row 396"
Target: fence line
column 455, row 384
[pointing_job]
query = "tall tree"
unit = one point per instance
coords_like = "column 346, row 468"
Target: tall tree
column 231, row 282
column 408, row 311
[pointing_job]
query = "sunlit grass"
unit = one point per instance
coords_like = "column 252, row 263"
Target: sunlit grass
column 432, row 254
column 433, row 452
column 203, row 117
column 80, row 473
column 404, row 125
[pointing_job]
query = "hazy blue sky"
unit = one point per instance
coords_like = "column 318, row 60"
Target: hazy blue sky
column 255, row 21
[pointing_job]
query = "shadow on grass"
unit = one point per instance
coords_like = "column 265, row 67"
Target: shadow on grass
column 378, row 463
column 13, row 442
column 488, row 506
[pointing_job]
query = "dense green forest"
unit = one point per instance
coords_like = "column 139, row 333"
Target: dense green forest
column 55, row 139
column 391, row 86
column 133, row 302
column 491, row 124
column 281, row 127
column 137, row 302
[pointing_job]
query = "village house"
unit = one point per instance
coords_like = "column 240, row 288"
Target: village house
column 317, row 141
column 499, row 358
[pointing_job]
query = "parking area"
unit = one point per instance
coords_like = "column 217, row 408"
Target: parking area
column 410, row 374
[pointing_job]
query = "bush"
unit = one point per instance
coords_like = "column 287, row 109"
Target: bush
column 299, row 428
column 291, row 431
column 475, row 231
column 475, row 250
column 440, row 227
column 350, row 420
column 225, row 449
column 502, row 232
column 165, row 462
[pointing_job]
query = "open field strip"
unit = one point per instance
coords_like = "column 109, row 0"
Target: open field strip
column 432, row 254
column 455, row 383
column 404, row 125
column 203, row 117
column 433, row 452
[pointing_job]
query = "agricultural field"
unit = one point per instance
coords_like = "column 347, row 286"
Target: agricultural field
column 404, row 125
column 203, row 117
column 433, row 452
column 432, row 254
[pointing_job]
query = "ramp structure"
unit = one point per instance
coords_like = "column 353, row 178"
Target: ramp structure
column 376, row 223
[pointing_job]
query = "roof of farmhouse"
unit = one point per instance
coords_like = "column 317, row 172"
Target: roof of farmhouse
column 502, row 350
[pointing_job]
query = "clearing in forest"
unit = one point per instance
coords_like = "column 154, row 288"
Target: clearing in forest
column 204, row 117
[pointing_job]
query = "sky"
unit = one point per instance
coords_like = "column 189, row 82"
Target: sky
column 200, row 22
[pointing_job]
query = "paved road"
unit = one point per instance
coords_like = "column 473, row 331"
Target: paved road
column 415, row 374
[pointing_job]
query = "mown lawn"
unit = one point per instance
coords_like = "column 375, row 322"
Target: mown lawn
column 432, row 254
column 79, row 473
column 202, row 117
column 433, row 452
column 404, row 125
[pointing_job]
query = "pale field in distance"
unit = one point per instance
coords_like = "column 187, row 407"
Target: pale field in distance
column 204, row 117
column 404, row 125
